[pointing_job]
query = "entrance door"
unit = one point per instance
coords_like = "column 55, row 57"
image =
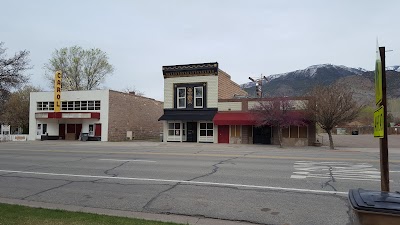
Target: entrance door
column 78, row 131
column 97, row 131
column 262, row 135
column 61, row 131
column 191, row 132
column 223, row 134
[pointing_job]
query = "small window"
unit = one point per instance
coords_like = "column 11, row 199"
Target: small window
column 51, row 106
column 303, row 132
column 90, row 105
column 294, row 131
column 64, row 106
column 77, row 105
column 97, row 105
column 70, row 105
column 39, row 106
column 285, row 132
column 83, row 105
column 181, row 97
column 198, row 97
column 235, row 131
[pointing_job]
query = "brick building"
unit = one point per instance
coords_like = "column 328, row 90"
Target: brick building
column 201, row 105
column 104, row 115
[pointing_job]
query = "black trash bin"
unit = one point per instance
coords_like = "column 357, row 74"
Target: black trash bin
column 374, row 207
column 354, row 132
column 84, row 136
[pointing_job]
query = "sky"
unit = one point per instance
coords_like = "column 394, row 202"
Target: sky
column 246, row 37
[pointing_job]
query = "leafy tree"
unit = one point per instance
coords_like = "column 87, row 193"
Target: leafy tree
column 12, row 72
column 334, row 105
column 16, row 110
column 82, row 69
column 279, row 112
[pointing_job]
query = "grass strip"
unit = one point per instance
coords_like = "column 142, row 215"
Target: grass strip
column 21, row 215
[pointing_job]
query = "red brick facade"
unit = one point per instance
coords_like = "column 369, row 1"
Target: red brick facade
column 129, row 112
column 227, row 89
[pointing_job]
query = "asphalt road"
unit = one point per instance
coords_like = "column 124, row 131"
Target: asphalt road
column 257, row 184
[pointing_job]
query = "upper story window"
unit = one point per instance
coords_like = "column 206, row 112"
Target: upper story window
column 198, row 97
column 181, row 97
column 69, row 105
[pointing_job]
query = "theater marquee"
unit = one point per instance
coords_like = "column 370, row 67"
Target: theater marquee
column 57, row 91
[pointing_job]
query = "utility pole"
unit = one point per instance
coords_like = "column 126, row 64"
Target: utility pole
column 384, row 159
column 259, row 84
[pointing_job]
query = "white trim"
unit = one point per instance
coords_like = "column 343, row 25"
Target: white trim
column 177, row 97
column 195, row 98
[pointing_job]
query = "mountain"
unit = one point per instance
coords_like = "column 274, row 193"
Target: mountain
column 299, row 82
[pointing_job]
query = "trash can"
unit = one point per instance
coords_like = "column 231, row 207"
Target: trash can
column 354, row 132
column 374, row 207
column 84, row 136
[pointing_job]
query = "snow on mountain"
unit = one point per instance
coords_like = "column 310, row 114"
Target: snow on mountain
column 313, row 71
column 394, row 68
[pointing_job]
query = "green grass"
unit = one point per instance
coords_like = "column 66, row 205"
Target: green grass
column 22, row 215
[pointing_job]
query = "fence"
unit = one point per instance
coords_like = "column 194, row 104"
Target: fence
column 13, row 137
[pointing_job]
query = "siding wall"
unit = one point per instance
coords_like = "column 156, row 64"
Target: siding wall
column 212, row 89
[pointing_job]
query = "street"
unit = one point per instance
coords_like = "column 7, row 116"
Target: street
column 245, row 183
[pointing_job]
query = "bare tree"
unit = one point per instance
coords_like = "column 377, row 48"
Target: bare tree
column 133, row 90
column 12, row 72
column 334, row 105
column 16, row 110
column 279, row 112
column 82, row 69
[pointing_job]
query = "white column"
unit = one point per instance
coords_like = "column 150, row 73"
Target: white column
column 180, row 131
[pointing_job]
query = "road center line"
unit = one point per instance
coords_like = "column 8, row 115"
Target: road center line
column 129, row 160
column 183, row 182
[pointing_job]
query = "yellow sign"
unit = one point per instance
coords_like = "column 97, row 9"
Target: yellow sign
column 57, row 91
column 378, row 77
column 379, row 125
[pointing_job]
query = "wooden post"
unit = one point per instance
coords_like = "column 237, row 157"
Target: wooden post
column 383, row 142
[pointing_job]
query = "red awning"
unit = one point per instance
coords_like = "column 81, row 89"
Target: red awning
column 234, row 118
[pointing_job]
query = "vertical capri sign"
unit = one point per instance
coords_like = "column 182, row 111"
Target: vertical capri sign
column 57, row 91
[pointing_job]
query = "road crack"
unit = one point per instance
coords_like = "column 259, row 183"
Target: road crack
column 50, row 189
column 332, row 179
column 114, row 174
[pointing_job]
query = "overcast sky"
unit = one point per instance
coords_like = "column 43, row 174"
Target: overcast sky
column 245, row 37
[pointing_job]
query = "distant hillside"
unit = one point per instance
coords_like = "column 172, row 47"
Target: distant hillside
column 299, row 82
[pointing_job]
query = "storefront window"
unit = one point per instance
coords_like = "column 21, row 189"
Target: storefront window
column 174, row 129
column 206, row 129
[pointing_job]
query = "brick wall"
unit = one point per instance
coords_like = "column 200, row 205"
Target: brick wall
column 226, row 87
column 129, row 112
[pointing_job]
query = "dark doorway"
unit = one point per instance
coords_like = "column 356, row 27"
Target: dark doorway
column 61, row 131
column 191, row 132
column 262, row 135
column 78, row 130
column 223, row 134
